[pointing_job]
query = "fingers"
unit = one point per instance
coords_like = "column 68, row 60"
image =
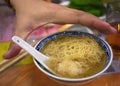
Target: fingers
column 74, row 16
column 20, row 30
column 13, row 51
column 23, row 27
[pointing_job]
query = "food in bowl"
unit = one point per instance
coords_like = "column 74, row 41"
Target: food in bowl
column 74, row 56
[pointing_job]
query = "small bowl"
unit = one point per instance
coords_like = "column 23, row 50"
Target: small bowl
column 101, row 42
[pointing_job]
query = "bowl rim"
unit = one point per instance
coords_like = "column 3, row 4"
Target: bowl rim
column 75, row 79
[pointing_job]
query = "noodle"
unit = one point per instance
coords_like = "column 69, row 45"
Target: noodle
column 73, row 56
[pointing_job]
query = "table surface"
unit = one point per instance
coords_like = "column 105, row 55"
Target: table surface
column 30, row 75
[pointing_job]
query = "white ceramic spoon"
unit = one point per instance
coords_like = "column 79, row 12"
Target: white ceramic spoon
column 32, row 51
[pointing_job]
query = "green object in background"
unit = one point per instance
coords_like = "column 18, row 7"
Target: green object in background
column 95, row 7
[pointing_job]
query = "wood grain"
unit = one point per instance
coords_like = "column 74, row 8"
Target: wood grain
column 30, row 75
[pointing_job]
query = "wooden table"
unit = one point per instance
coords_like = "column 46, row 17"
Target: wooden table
column 30, row 75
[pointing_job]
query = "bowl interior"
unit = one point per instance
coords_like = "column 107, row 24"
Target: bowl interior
column 101, row 42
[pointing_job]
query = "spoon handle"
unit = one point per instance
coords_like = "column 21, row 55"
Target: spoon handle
column 32, row 51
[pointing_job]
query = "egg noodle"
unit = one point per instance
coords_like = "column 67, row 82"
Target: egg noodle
column 73, row 56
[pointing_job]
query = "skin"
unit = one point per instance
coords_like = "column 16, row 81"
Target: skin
column 31, row 14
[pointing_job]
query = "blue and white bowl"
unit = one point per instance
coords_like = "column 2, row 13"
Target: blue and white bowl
column 101, row 42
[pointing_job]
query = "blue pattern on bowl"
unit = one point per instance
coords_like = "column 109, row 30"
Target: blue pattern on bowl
column 101, row 42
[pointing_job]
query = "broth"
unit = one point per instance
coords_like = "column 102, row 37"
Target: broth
column 74, row 57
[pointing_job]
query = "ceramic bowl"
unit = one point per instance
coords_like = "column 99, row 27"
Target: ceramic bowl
column 101, row 42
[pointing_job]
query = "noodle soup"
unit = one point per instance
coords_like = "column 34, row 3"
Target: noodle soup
column 74, row 56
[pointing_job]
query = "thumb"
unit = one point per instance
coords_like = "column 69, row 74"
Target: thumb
column 21, row 31
column 12, row 51
column 23, row 27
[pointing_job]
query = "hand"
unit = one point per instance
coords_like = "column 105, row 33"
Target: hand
column 31, row 14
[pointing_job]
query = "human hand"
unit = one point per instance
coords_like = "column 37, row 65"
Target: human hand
column 31, row 14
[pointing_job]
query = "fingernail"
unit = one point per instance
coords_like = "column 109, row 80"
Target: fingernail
column 113, row 30
column 6, row 55
column 12, row 52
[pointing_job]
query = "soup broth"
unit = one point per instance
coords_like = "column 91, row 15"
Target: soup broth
column 73, row 56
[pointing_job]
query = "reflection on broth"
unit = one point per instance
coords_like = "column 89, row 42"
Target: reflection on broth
column 74, row 57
